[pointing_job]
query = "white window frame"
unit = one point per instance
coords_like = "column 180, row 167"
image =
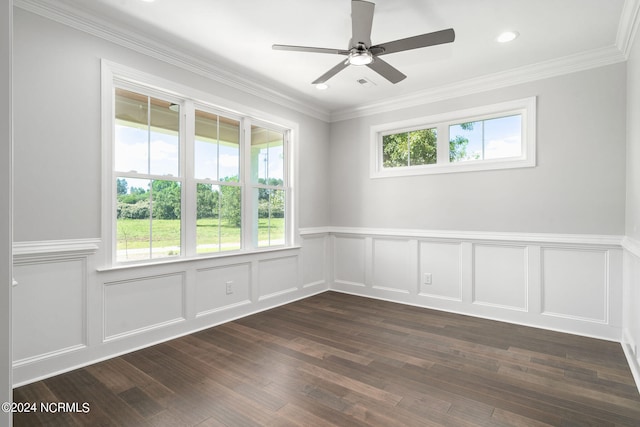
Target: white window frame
column 189, row 99
column 249, row 207
column 526, row 108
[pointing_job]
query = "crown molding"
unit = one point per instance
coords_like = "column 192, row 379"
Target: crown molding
column 542, row 70
column 95, row 26
column 628, row 26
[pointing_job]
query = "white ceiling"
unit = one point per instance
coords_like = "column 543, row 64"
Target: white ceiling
column 237, row 35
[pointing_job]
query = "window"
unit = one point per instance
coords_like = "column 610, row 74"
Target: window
column 267, row 179
column 410, row 148
column 147, row 176
column 189, row 179
column 218, row 183
column 498, row 136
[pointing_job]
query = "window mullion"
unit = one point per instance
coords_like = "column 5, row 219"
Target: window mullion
column 443, row 143
column 190, row 198
column 151, row 180
column 408, row 148
column 248, row 229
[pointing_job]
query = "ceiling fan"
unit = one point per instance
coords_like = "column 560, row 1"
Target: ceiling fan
column 360, row 51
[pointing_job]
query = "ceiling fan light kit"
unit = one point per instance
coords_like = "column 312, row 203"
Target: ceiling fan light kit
column 360, row 58
column 360, row 50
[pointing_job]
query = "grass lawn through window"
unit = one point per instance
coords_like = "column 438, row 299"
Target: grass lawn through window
column 133, row 236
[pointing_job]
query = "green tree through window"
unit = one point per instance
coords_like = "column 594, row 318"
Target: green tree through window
column 418, row 147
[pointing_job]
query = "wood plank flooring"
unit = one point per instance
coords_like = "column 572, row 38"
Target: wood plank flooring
column 340, row 360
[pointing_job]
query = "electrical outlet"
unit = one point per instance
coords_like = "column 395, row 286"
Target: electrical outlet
column 427, row 278
column 229, row 287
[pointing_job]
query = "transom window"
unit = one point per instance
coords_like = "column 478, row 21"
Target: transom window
column 410, row 148
column 498, row 136
column 189, row 179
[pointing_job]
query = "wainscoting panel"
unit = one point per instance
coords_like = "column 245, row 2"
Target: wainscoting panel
column 277, row 276
column 392, row 265
column 314, row 260
column 442, row 261
column 69, row 312
column 138, row 305
column 349, row 260
column 220, row 287
column 500, row 276
column 568, row 283
column 631, row 299
column 48, row 309
column 575, row 284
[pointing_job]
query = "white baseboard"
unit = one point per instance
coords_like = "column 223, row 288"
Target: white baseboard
column 632, row 358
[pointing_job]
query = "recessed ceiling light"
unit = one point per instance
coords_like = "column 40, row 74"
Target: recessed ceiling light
column 322, row 86
column 507, row 36
column 148, row 1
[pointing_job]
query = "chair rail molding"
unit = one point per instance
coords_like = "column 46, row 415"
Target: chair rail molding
column 34, row 251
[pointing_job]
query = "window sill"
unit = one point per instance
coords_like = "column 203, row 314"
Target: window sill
column 197, row 258
column 470, row 166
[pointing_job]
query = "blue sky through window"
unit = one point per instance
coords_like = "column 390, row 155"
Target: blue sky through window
column 491, row 139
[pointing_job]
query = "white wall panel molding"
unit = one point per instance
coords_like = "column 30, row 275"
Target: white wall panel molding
column 500, row 276
column 315, row 259
column 224, row 287
column 138, row 305
column 349, row 260
column 630, row 349
column 50, row 299
column 563, row 239
column 68, row 314
column 568, row 283
column 50, row 250
column 631, row 245
column 441, row 274
column 43, row 357
column 277, row 277
column 310, row 231
column 393, row 266
column 630, row 312
column 575, row 284
column 49, row 309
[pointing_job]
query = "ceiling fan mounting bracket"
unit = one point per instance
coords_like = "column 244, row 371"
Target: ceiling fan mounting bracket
column 360, row 47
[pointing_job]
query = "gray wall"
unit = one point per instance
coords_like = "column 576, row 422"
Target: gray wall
column 577, row 187
column 58, row 139
column 631, row 309
column 633, row 141
column 6, row 17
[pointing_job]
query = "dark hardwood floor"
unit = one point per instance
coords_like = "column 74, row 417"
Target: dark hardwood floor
column 336, row 359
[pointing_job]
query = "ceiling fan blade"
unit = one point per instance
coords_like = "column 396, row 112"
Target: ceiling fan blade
column 309, row 49
column 386, row 70
column 361, row 22
column 332, row 72
column 416, row 42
